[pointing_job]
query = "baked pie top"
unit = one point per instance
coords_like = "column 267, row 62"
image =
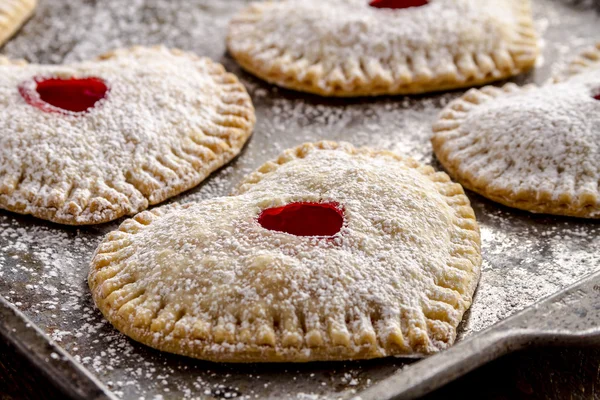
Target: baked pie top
column 90, row 142
column 589, row 59
column 328, row 252
column 533, row 148
column 351, row 48
column 13, row 13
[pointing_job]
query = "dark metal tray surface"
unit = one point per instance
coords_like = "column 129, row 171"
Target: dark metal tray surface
column 43, row 266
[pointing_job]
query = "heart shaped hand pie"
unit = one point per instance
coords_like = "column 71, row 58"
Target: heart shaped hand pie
column 93, row 141
column 357, row 47
column 240, row 279
column 586, row 61
column 533, row 148
column 13, row 13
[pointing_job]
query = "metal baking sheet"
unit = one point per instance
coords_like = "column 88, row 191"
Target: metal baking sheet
column 43, row 266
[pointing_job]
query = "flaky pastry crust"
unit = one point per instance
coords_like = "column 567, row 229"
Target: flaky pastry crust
column 531, row 148
column 13, row 13
column 169, row 119
column 347, row 48
column 205, row 280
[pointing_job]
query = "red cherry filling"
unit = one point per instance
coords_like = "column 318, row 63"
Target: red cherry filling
column 597, row 97
column 73, row 94
column 398, row 4
column 304, row 219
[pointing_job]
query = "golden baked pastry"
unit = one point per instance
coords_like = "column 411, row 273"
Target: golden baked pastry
column 588, row 59
column 532, row 148
column 357, row 48
column 90, row 142
column 13, row 13
column 326, row 253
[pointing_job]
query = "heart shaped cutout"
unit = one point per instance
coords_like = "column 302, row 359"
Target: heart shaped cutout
column 75, row 95
column 398, row 4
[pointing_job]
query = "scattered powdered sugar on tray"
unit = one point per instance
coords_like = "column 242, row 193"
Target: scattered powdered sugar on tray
column 43, row 267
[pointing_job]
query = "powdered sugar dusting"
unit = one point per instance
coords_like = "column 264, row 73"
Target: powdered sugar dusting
column 342, row 29
column 346, row 47
column 231, row 290
column 168, row 120
column 544, row 253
